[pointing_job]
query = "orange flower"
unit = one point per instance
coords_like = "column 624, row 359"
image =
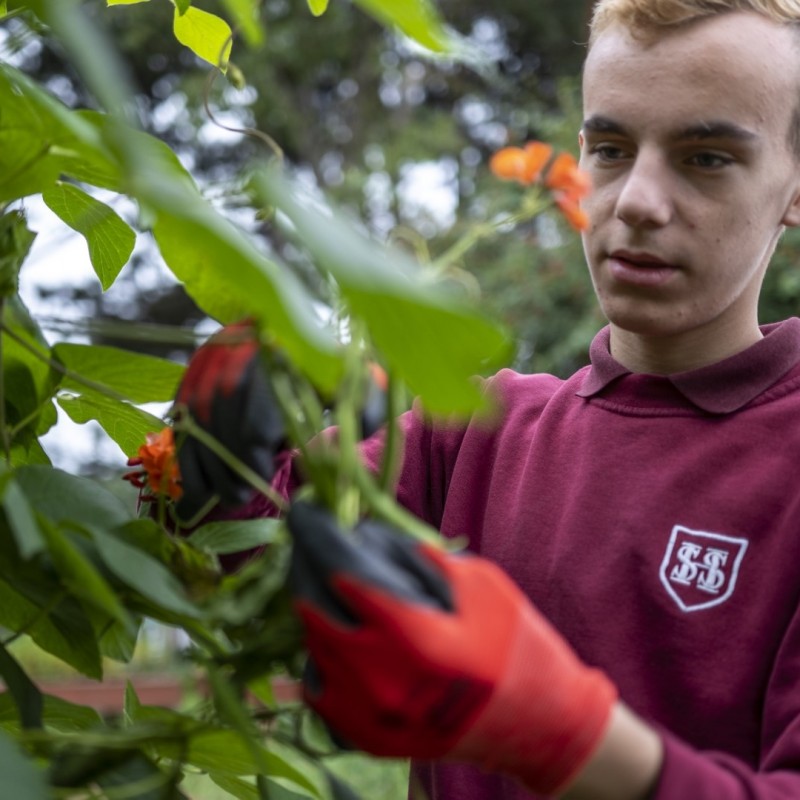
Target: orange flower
column 575, row 215
column 565, row 176
column 521, row 164
column 379, row 376
column 159, row 466
column 569, row 184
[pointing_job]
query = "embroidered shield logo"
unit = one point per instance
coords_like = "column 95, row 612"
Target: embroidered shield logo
column 700, row 569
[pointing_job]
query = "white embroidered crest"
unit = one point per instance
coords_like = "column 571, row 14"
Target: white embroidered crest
column 700, row 569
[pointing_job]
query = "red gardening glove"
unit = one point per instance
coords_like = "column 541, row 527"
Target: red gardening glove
column 226, row 391
column 418, row 653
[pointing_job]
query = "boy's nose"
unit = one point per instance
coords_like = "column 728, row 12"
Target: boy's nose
column 644, row 199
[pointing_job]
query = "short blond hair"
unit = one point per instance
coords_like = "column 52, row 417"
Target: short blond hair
column 641, row 16
column 644, row 17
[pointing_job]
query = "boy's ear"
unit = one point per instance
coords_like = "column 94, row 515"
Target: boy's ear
column 791, row 219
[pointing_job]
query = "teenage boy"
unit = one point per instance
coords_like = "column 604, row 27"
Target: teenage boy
column 647, row 643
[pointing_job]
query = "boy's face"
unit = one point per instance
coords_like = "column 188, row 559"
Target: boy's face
column 686, row 138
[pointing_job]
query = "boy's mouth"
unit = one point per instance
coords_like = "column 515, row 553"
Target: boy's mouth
column 640, row 268
column 641, row 259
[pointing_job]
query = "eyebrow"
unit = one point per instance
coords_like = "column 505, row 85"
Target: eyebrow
column 710, row 129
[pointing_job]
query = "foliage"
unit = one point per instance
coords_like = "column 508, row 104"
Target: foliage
column 79, row 570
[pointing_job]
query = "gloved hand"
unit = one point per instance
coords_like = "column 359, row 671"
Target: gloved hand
column 226, row 391
column 423, row 654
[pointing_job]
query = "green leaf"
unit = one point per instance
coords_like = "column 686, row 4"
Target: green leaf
column 339, row 789
column 224, row 752
column 118, row 641
column 29, row 384
column 57, row 714
column 76, row 764
column 89, row 164
column 125, row 2
column 19, row 318
column 63, row 632
column 318, row 7
column 407, row 314
column 200, row 249
column 124, row 423
column 25, row 168
column 245, row 14
column 29, row 381
column 26, row 694
column 139, row 717
column 38, row 134
column 222, row 270
column 15, row 243
column 110, row 238
column 22, row 521
column 132, row 704
column 142, row 572
column 243, row 789
column 235, row 536
column 140, row 378
column 81, row 577
column 139, row 771
column 20, row 772
column 183, row 5
column 206, row 35
column 417, row 19
column 47, row 419
column 27, row 451
column 61, row 497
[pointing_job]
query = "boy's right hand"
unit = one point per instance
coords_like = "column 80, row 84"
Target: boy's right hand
column 226, row 392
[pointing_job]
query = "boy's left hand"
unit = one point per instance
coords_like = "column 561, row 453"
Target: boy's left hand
column 418, row 653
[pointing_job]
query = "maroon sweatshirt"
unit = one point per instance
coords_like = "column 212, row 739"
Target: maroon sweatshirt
column 656, row 522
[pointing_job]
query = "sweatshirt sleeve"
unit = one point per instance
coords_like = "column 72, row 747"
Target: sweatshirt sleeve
column 429, row 454
column 688, row 773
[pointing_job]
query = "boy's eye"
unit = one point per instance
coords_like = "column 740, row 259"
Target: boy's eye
column 607, row 152
column 709, row 160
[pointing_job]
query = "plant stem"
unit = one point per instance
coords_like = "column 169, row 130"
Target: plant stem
column 285, row 395
column 390, row 463
column 197, row 518
column 200, row 635
column 386, row 508
column 186, row 424
column 123, row 331
column 531, row 206
column 349, row 398
column 25, row 421
column 3, row 426
column 11, row 14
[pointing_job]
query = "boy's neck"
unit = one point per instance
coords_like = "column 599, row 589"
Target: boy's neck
column 667, row 355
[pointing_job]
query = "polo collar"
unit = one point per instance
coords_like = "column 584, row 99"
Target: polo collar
column 717, row 388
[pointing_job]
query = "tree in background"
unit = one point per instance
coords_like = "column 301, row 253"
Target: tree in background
column 400, row 139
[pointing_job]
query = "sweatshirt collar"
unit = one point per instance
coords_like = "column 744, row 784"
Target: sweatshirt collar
column 717, row 388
